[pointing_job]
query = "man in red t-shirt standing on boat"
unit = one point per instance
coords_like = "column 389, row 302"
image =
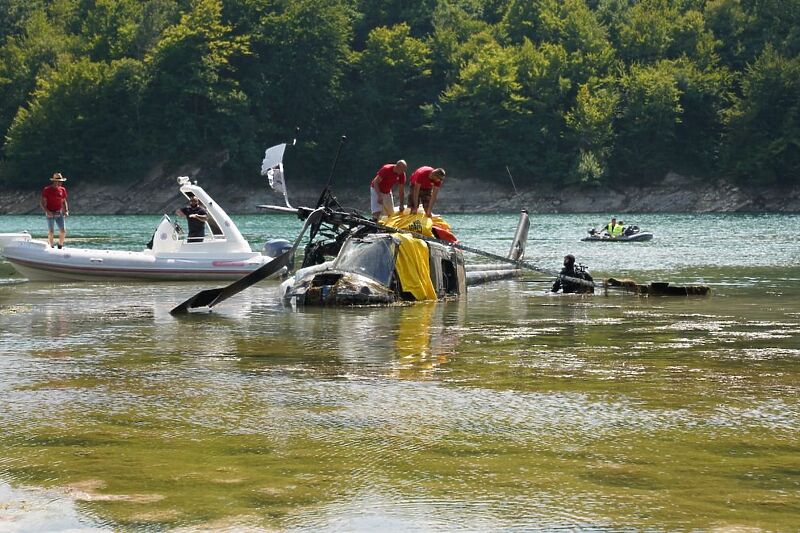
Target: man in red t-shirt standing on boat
column 425, row 183
column 380, row 189
column 54, row 204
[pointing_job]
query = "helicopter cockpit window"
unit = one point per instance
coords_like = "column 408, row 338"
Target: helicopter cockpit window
column 373, row 258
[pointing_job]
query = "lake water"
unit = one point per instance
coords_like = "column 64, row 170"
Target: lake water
column 511, row 409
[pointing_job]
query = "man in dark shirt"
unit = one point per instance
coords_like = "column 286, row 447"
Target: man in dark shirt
column 569, row 270
column 196, row 218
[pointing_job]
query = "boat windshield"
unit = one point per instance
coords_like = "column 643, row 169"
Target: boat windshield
column 372, row 258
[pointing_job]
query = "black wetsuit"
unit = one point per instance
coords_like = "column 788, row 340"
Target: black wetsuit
column 568, row 286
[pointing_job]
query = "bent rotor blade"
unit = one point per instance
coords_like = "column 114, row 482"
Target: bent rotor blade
column 211, row 297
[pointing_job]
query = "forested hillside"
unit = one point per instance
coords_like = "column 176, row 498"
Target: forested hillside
column 560, row 91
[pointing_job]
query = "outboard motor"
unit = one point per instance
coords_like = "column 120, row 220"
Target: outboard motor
column 276, row 247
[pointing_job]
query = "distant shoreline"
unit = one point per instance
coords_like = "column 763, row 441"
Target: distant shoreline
column 675, row 194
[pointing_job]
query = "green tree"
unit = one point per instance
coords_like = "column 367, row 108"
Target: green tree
column 388, row 13
column 746, row 28
column 14, row 14
column 480, row 114
column 191, row 68
column 652, row 30
column 23, row 58
column 113, row 29
column 763, row 126
column 393, row 69
column 80, row 117
column 704, row 97
column 454, row 40
column 569, row 25
column 545, row 88
column 650, row 112
column 296, row 76
column 591, row 125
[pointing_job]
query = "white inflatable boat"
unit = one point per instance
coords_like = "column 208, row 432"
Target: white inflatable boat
column 223, row 254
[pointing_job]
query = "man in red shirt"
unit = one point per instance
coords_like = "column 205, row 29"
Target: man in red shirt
column 425, row 183
column 54, row 204
column 380, row 189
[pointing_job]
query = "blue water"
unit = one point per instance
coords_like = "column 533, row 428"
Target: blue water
column 684, row 244
column 511, row 409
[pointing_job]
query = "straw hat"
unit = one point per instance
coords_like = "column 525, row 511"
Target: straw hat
column 58, row 177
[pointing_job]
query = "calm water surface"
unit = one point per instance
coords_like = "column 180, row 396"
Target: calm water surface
column 511, row 409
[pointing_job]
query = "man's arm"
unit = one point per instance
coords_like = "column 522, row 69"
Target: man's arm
column 402, row 196
column 66, row 208
column 43, row 204
column 556, row 285
column 413, row 197
column 434, row 194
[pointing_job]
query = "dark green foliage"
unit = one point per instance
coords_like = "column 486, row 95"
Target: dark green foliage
column 561, row 91
column 65, row 127
column 650, row 112
column 591, row 131
column 37, row 47
column 764, row 123
column 193, row 83
column 393, row 75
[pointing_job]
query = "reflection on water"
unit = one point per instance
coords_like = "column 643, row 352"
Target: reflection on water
column 513, row 409
column 35, row 510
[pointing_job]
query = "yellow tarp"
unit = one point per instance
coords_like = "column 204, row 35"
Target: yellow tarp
column 413, row 268
column 417, row 223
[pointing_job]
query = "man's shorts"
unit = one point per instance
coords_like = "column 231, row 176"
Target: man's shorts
column 380, row 202
column 425, row 197
column 55, row 220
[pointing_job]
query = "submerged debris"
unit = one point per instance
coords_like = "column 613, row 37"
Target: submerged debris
column 658, row 288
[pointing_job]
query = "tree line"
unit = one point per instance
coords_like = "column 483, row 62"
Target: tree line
column 559, row 91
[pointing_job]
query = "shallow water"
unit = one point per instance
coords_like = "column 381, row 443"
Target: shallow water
column 510, row 409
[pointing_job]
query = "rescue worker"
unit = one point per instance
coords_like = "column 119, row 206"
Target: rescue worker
column 380, row 189
column 570, row 271
column 425, row 184
column 611, row 227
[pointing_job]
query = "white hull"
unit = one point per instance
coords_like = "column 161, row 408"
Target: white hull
column 222, row 254
column 8, row 238
column 38, row 262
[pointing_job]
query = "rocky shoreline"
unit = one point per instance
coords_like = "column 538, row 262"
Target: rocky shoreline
column 158, row 193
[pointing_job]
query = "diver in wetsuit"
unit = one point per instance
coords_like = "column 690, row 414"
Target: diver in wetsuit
column 569, row 270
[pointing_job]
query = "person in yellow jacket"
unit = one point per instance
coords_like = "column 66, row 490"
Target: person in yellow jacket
column 618, row 230
column 612, row 226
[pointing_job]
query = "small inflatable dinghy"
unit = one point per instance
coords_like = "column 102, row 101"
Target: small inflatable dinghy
column 630, row 234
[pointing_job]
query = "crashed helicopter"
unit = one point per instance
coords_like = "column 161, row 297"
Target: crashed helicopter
column 351, row 260
column 384, row 264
